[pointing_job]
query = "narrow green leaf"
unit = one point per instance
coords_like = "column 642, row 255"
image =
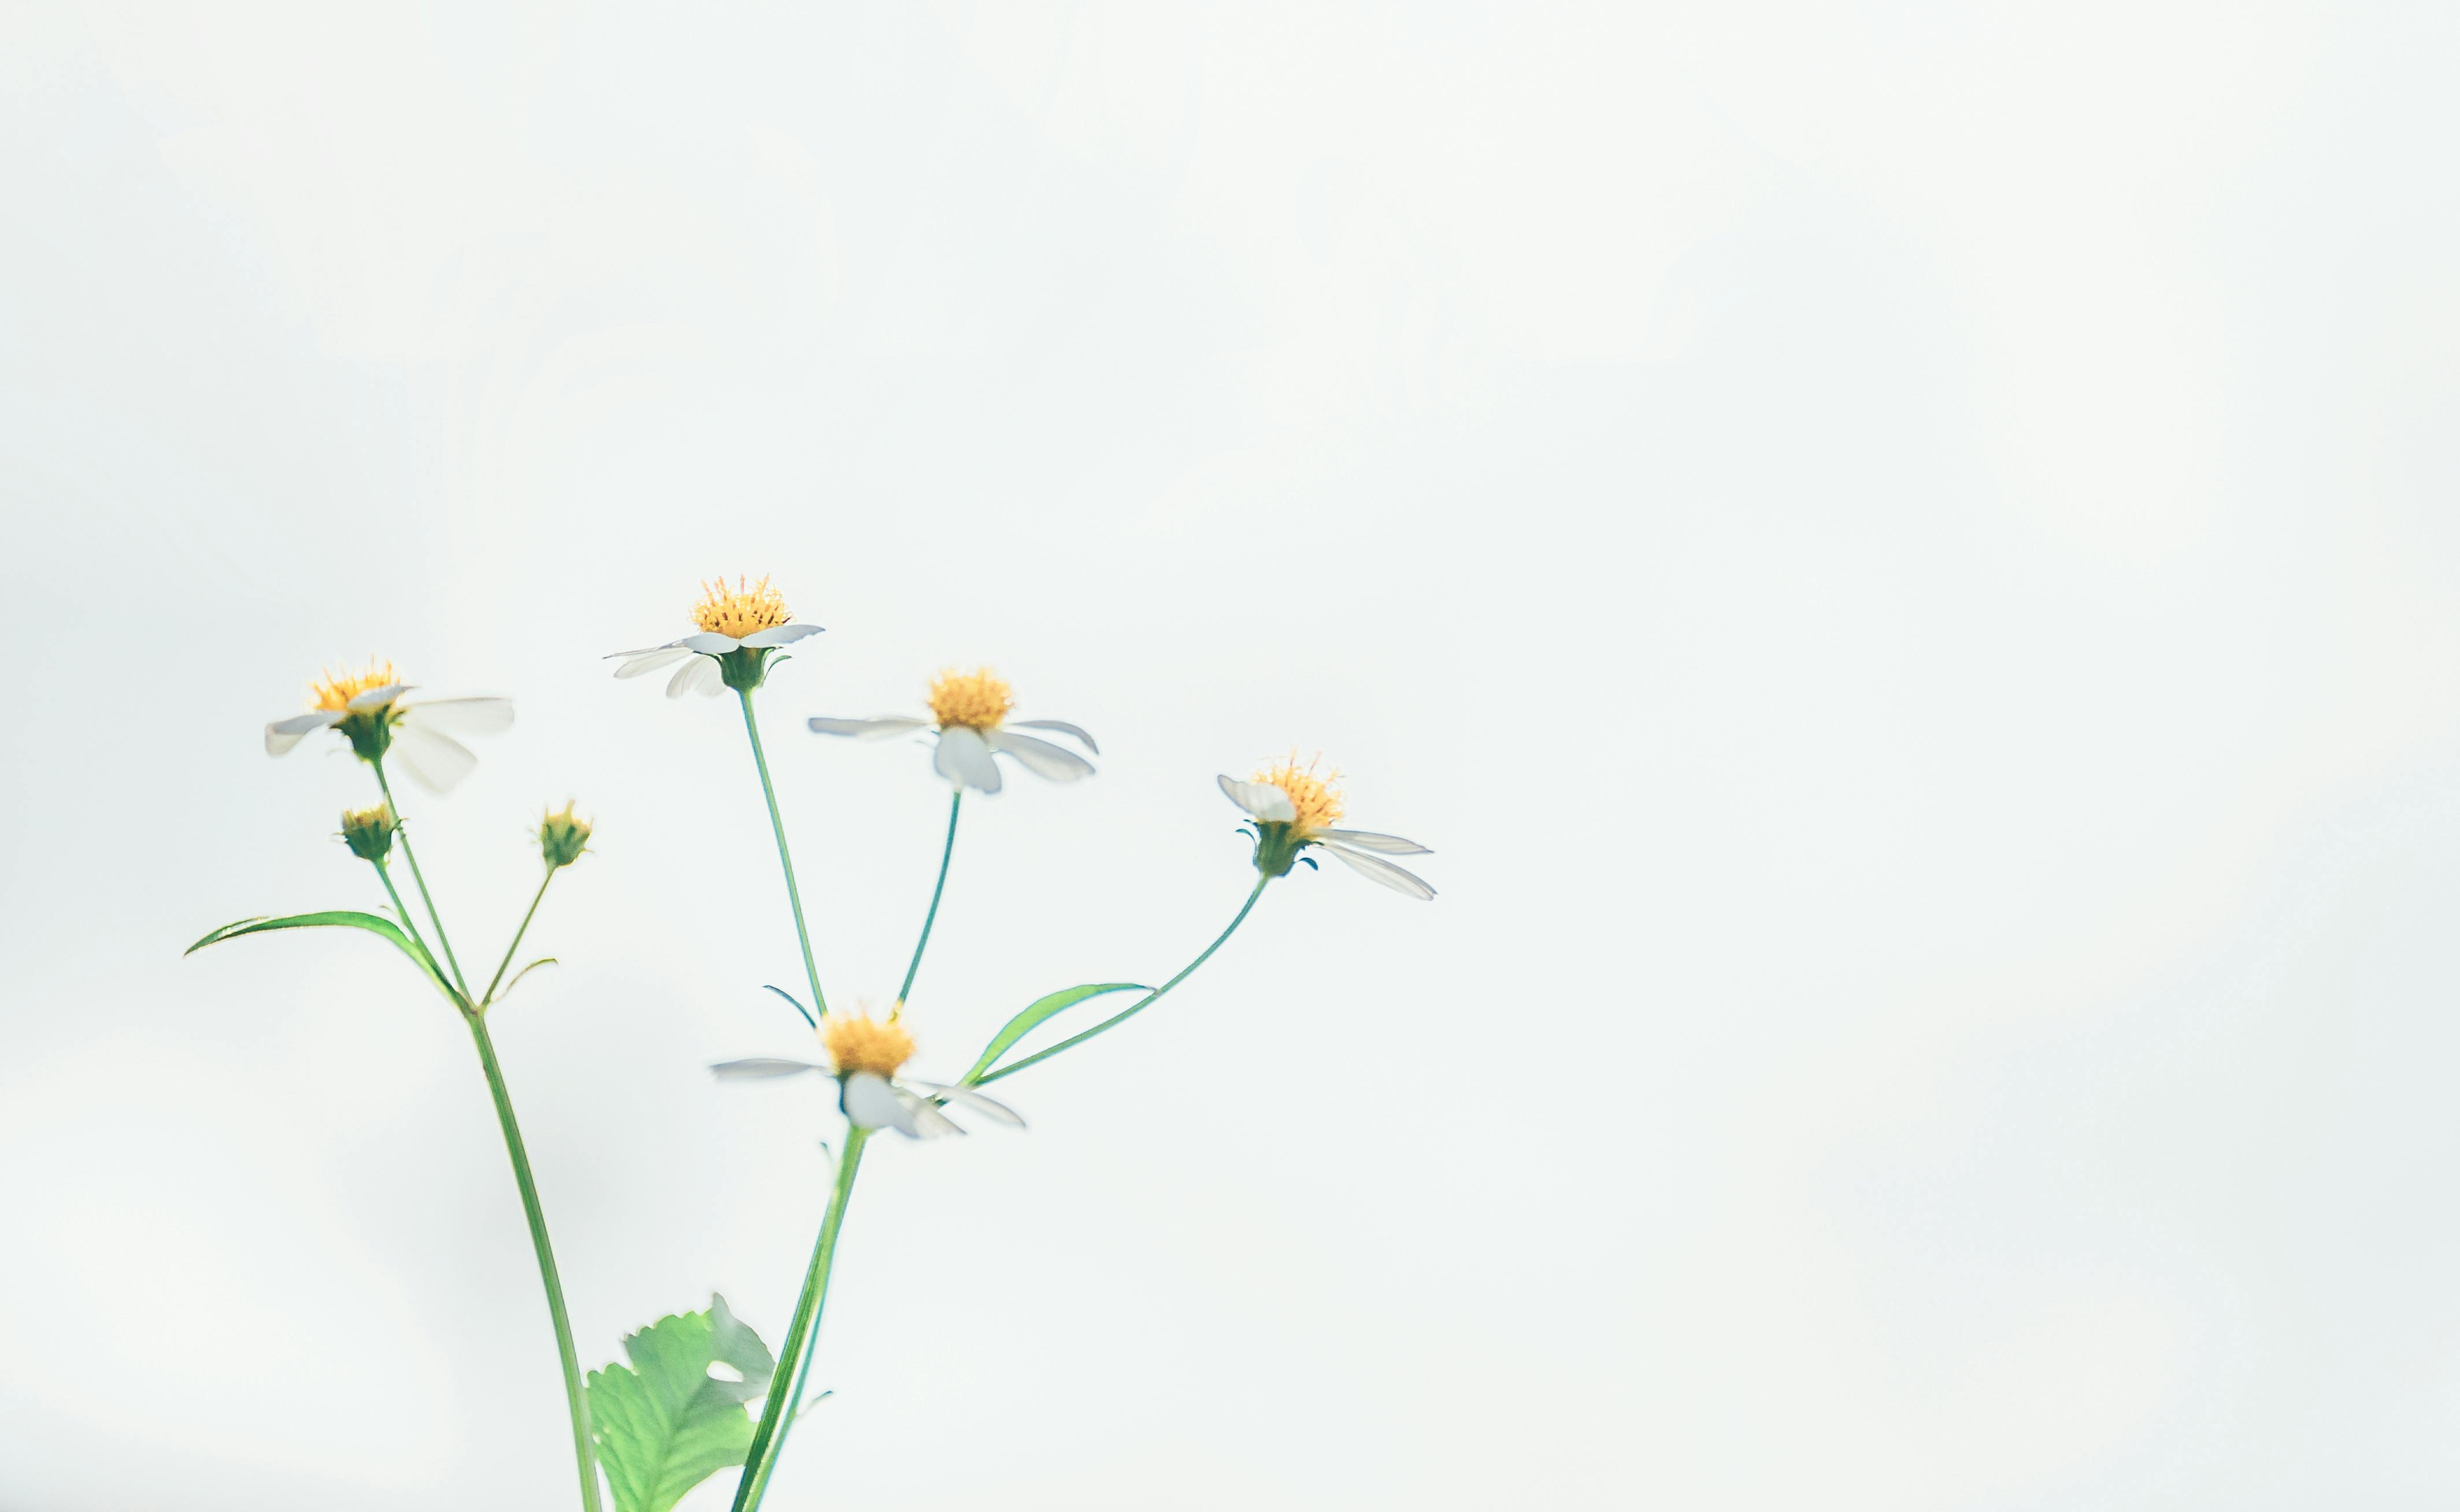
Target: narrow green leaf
column 544, row 960
column 665, row 1424
column 340, row 917
column 1040, row 1009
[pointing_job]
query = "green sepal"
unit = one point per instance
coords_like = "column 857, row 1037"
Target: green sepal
column 1035, row 1012
column 664, row 1425
column 345, row 918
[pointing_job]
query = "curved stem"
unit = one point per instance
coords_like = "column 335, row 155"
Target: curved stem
column 420, row 878
column 778, row 827
column 408, row 921
column 536, row 898
column 574, row 1395
column 955, row 801
column 777, row 1416
column 1140, row 1004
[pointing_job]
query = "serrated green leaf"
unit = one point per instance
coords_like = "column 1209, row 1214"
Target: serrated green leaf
column 665, row 1424
column 343, row 918
column 1040, row 1009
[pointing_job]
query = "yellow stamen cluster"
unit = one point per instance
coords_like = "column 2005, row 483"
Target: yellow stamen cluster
column 1316, row 798
column 741, row 611
column 861, row 1043
column 333, row 690
column 978, row 699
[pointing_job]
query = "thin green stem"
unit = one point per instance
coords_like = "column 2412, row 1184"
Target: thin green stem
column 574, row 1395
column 420, row 878
column 777, row 1416
column 408, row 921
column 535, row 900
column 786, row 860
column 1140, row 1004
column 956, row 801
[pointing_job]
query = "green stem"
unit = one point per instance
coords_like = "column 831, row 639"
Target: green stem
column 778, row 827
column 408, row 921
column 573, row 1394
column 1140, row 1004
column 955, row 801
column 420, row 878
column 536, row 898
column 777, row 1416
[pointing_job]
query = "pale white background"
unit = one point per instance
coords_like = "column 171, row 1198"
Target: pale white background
column 1904, row 557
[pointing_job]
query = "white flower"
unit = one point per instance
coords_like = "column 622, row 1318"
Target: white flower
column 364, row 706
column 1294, row 808
column 746, row 617
column 865, row 1054
column 969, row 715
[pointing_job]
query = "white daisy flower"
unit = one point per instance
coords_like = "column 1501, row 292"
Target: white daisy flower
column 739, row 626
column 969, row 718
column 365, row 707
column 1294, row 808
column 864, row 1056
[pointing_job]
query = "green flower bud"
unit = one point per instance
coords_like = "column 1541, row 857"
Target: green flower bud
column 563, row 837
column 368, row 832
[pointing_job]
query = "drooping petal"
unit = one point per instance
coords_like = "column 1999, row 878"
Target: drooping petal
column 761, row 1068
column 782, row 636
column 1041, row 757
column 709, row 642
column 377, row 697
column 967, row 1096
column 963, row 760
column 283, row 734
column 651, row 660
column 438, row 761
column 930, row 1123
column 1383, row 871
column 1368, row 840
column 697, row 676
column 463, row 716
column 879, row 729
column 870, row 1103
column 1262, row 799
column 1078, row 731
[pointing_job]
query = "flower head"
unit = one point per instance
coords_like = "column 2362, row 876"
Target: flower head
column 858, row 1043
column 368, row 832
column 865, row 1054
column 562, row 835
column 1294, row 808
column 739, row 626
column 366, row 706
column 970, row 724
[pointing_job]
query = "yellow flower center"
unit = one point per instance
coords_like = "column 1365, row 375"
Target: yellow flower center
column 857, row 1043
column 978, row 699
column 335, row 691
column 380, row 816
column 1316, row 798
column 741, row 611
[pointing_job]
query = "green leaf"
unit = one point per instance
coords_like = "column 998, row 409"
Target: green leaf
column 665, row 1424
column 340, row 917
column 1040, row 1009
column 544, row 960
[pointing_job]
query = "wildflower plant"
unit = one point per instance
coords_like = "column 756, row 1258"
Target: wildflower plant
column 679, row 1407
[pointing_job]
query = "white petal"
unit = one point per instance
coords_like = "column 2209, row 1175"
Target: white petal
column 962, row 758
column 969, row 1097
column 1060, row 725
column 930, row 1123
column 1041, row 757
column 651, row 660
column 761, row 1068
column 879, row 729
column 464, row 716
column 1368, row 840
column 870, row 1103
column 709, row 642
column 699, row 675
column 377, row 697
column 1262, row 799
column 439, row 762
column 782, row 636
column 283, row 734
column 1385, row 872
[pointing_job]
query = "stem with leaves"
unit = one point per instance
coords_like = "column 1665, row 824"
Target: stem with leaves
column 420, row 878
column 777, row 1416
column 536, row 898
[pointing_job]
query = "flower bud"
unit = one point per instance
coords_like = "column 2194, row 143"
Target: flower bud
column 368, row 832
column 563, row 837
